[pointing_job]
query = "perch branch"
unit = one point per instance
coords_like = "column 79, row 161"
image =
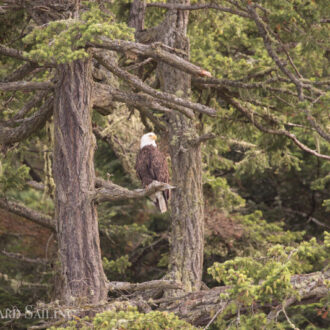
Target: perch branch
column 108, row 191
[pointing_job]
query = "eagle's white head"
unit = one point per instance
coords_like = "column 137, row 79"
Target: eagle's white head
column 148, row 139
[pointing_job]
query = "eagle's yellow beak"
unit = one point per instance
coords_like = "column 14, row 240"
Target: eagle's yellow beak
column 153, row 137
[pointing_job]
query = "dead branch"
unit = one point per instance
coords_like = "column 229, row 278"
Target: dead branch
column 106, row 93
column 21, row 72
column 7, row 51
column 36, row 185
column 24, row 211
column 28, row 126
column 264, row 129
column 109, row 191
column 27, row 86
column 151, row 285
column 35, row 99
column 305, row 215
column 177, row 6
column 139, row 84
column 20, row 257
column 198, row 307
column 155, row 51
column 271, row 51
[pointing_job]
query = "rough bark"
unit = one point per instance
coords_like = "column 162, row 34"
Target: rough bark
column 83, row 278
column 187, row 225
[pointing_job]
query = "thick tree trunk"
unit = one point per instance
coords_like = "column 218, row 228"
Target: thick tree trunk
column 187, row 226
column 83, row 279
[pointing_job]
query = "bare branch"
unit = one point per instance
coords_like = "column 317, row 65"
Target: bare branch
column 151, row 285
column 177, row 6
column 20, row 257
column 305, row 215
column 271, row 51
column 155, row 51
column 36, row 185
column 27, row 86
column 109, row 191
column 291, row 136
column 21, row 72
column 7, row 51
column 203, row 138
column 28, row 126
column 133, row 99
column 18, row 117
column 203, row 304
column 23, row 211
column 139, row 84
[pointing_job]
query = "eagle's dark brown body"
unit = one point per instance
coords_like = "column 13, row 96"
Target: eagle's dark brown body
column 151, row 165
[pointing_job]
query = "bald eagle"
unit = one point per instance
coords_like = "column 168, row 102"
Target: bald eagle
column 151, row 165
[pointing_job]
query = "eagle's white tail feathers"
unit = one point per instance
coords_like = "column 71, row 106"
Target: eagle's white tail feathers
column 161, row 201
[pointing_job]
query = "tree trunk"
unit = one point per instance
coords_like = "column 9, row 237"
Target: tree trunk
column 83, row 279
column 187, row 225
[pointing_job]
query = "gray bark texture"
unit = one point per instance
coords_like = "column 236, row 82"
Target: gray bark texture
column 83, row 278
column 187, row 225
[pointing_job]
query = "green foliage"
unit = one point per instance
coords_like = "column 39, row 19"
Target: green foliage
column 118, row 266
column 11, row 176
column 220, row 193
column 266, row 279
column 64, row 41
column 131, row 319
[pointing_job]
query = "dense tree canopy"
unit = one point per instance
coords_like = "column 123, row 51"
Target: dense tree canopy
column 238, row 92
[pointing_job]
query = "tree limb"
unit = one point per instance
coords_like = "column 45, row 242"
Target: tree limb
column 155, row 51
column 108, row 191
column 28, row 126
column 151, row 285
column 23, row 211
column 139, row 84
column 178, row 6
column 204, row 303
column 264, row 129
column 21, row 72
column 132, row 99
column 7, row 51
column 20, row 257
column 27, row 86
